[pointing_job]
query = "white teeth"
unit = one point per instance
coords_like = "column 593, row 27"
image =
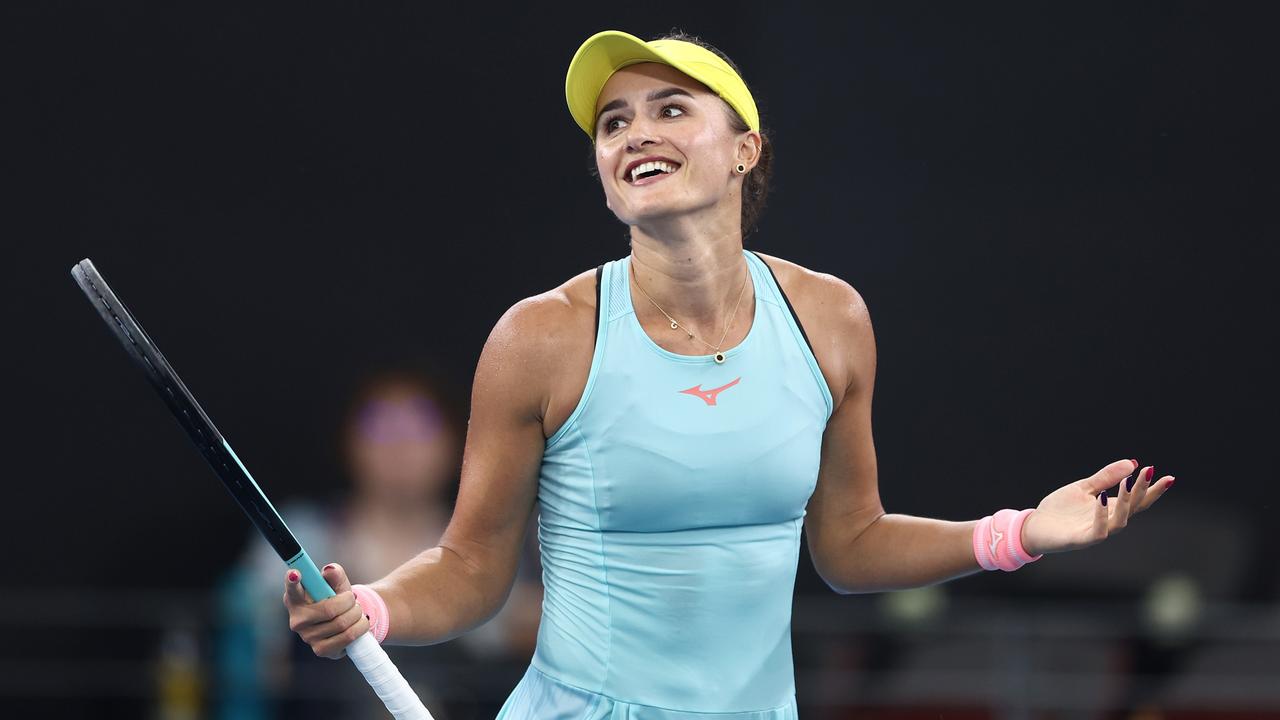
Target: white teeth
column 650, row 166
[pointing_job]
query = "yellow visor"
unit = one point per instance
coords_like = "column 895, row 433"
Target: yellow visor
column 606, row 52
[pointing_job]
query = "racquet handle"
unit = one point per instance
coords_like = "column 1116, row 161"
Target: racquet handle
column 385, row 679
column 369, row 657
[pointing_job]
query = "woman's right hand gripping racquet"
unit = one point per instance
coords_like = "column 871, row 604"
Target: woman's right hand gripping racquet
column 365, row 651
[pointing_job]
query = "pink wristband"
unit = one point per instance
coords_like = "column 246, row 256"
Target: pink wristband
column 997, row 541
column 375, row 609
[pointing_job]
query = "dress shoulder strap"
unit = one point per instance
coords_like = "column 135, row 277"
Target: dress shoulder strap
column 786, row 301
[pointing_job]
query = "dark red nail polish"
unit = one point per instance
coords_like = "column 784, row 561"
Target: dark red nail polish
column 1152, row 475
column 1103, row 495
column 1135, row 464
column 293, row 576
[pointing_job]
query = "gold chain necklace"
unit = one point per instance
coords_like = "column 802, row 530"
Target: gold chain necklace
column 719, row 356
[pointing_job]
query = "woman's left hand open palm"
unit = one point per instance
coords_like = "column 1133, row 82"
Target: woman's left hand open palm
column 1076, row 516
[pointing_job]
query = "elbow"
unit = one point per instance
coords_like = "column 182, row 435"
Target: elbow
column 842, row 565
column 841, row 589
column 846, row 585
column 842, row 578
column 480, row 589
column 858, row 584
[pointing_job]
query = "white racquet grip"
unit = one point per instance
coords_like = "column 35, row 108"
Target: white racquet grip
column 372, row 662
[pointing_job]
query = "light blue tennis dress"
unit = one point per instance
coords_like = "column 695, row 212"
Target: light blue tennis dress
column 671, row 503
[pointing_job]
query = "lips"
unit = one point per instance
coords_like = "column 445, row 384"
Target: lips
column 648, row 170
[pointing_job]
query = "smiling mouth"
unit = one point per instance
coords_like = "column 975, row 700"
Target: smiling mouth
column 651, row 172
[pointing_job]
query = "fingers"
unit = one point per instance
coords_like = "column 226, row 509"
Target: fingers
column 331, row 637
column 294, row 593
column 1138, row 484
column 336, row 577
column 329, row 625
column 1122, row 507
column 1101, row 516
column 1136, row 494
column 1156, row 490
column 1109, row 476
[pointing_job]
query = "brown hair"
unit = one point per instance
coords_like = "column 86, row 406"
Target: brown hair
column 755, row 186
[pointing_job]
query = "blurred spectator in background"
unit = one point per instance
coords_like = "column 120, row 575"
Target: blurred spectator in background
column 402, row 453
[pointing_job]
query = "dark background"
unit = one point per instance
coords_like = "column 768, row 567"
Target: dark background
column 1062, row 218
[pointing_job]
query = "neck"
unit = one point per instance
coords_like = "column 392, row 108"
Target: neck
column 692, row 267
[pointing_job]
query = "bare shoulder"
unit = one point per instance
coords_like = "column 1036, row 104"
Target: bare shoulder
column 835, row 318
column 822, row 288
column 540, row 322
column 542, row 343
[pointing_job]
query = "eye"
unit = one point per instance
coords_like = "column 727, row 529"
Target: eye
column 608, row 125
column 617, row 122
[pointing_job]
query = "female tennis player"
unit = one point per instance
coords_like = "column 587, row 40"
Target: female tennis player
column 680, row 415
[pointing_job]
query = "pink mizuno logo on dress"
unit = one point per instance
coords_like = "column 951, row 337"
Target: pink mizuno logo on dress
column 709, row 396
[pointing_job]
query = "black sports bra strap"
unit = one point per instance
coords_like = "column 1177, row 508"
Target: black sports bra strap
column 599, row 274
column 786, row 300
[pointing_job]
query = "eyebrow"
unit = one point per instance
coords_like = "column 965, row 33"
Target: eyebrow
column 655, row 95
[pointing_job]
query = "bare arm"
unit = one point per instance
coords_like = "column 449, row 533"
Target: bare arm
column 452, row 588
column 856, row 546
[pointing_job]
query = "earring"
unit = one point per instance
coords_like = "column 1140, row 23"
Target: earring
column 742, row 169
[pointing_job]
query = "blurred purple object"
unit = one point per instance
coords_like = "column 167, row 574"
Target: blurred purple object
column 387, row 421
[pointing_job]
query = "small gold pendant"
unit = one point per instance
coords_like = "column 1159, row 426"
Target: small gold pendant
column 719, row 357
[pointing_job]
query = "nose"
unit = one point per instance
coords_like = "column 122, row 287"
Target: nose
column 640, row 134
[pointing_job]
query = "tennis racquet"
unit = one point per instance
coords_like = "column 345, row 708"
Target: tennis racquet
column 365, row 652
